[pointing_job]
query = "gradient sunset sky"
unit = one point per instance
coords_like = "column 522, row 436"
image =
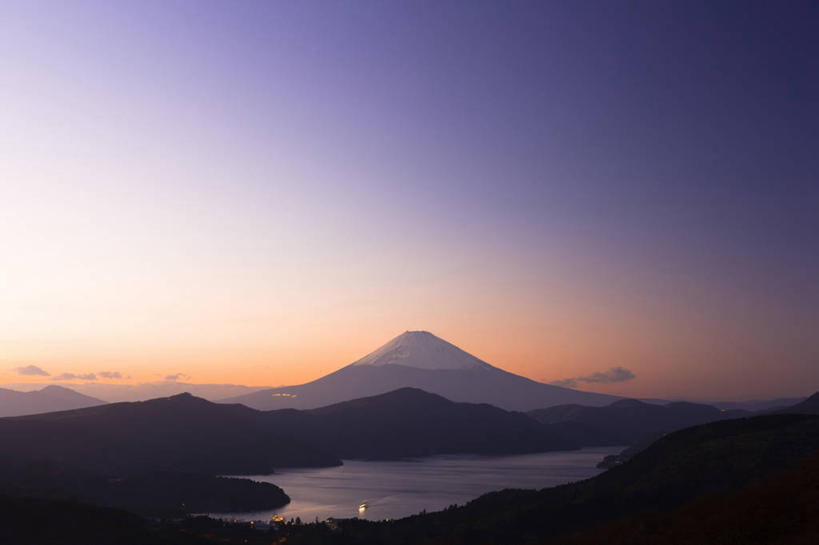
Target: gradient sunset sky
column 261, row 192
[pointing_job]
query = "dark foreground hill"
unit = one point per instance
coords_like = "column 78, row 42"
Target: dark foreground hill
column 27, row 521
column 783, row 509
column 627, row 421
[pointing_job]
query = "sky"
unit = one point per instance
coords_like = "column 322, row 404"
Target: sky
column 261, row 192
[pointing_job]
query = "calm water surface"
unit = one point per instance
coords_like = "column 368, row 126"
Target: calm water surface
column 400, row 489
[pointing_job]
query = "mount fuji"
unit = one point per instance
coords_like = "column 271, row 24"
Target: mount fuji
column 421, row 360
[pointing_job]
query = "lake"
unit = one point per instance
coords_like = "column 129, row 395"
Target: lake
column 403, row 488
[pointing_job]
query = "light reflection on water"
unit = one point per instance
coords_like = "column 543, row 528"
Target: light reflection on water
column 403, row 488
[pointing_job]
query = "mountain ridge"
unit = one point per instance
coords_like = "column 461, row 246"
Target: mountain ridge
column 48, row 399
column 810, row 405
column 187, row 433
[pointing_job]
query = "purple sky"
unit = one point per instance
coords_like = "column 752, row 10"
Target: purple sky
column 559, row 187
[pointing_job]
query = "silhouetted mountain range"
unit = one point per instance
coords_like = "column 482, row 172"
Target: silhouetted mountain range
column 808, row 406
column 638, row 424
column 156, row 457
column 189, row 434
column 419, row 359
column 134, row 455
column 185, row 433
column 627, row 421
column 179, row 433
column 411, row 422
column 49, row 399
column 639, row 499
column 757, row 405
column 143, row 391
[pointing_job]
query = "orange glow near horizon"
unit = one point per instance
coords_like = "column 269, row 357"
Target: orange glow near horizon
column 546, row 319
column 546, row 337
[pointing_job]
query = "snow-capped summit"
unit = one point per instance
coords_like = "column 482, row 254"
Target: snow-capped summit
column 422, row 350
column 419, row 359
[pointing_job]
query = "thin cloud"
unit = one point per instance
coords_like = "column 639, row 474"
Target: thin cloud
column 177, row 376
column 75, row 376
column 110, row 374
column 565, row 383
column 615, row 374
column 32, row 370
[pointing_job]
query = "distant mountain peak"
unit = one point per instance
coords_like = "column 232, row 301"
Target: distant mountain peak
column 184, row 396
column 808, row 406
column 179, row 401
column 50, row 398
column 628, row 403
column 421, row 350
column 56, row 388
